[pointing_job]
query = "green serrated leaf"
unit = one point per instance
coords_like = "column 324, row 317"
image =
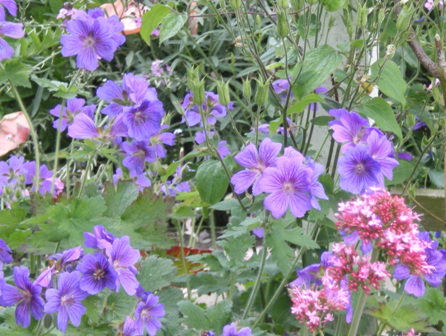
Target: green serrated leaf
column 390, row 80
column 16, row 72
column 171, row 25
column 319, row 63
column 156, row 273
column 301, row 104
column 119, row 198
column 381, row 112
column 194, row 316
column 151, row 20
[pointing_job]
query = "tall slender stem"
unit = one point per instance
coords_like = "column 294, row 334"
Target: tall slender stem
column 255, row 289
column 34, row 136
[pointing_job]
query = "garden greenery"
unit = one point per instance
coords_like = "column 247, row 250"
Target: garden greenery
column 230, row 168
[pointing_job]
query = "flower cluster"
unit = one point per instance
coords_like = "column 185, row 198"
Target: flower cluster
column 384, row 225
column 16, row 175
column 315, row 306
column 291, row 181
column 212, row 110
column 133, row 122
column 92, row 36
column 8, row 29
column 385, row 221
column 367, row 153
column 429, row 4
column 73, row 276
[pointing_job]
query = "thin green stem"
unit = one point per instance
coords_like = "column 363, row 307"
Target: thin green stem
column 255, row 289
column 357, row 314
column 86, row 172
column 34, row 136
column 183, row 258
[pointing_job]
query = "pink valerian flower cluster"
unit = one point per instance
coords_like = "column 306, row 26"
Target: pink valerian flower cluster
column 411, row 333
column 314, row 306
column 390, row 224
column 359, row 270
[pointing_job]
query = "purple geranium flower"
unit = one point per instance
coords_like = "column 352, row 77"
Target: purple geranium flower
column 144, row 120
column 5, row 252
column 12, row 172
column 415, row 283
column 259, row 232
column 12, row 30
column 138, row 153
column 129, row 327
column 66, row 114
column 100, row 239
column 46, row 178
column 211, row 107
column 133, row 91
column 316, row 188
column 348, row 128
column 312, row 273
column 97, row 273
column 123, row 257
column 66, row 300
column 358, row 170
column 256, row 162
column 288, row 186
column 26, row 296
column 90, row 39
column 10, row 6
column 406, row 156
column 381, row 150
column 148, row 313
column 281, row 87
column 83, row 127
column 231, row 330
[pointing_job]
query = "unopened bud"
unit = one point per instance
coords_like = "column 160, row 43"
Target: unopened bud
column 262, row 93
column 283, row 3
column 198, row 91
column 297, row 4
column 247, row 92
column 223, row 93
column 362, row 16
column 282, row 25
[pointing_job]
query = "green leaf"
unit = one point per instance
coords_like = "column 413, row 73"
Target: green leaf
column 151, row 20
column 220, row 315
column 156, row 273
column 436, row 177
column 433, row 303
column 301, row 104
column 321, row 120
column 171, row 25
column 298, row 237
column 390, row 80
column 226, row 205
column 281, row 253
column 401, row 173
column 16, row 72
column 211, row 181
column 378, row 109
column 119, row 198
column 236, row 247
column 195, row 317
column 318, row 64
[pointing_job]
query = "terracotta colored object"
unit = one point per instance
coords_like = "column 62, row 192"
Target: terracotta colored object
column 193, row 21
column 191, row 268
column 14, row 130
column 130, row 16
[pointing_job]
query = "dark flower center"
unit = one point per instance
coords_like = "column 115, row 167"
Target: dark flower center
column 67, row 300
column 89, row 41
column 139, row 117
column 99, row 274
column 288, row 187
column 26, row 295
column 140, row 154
column 359, row 168
column 145, row 314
